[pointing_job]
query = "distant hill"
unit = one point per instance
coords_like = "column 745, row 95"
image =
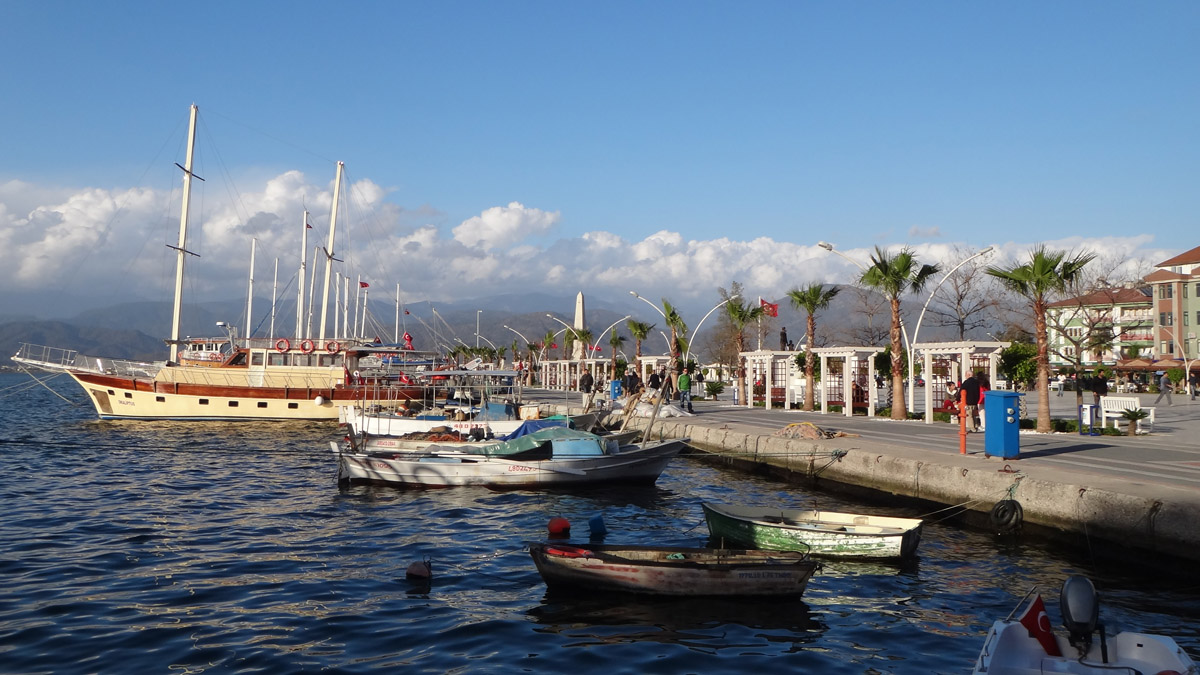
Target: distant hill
column 95, row 340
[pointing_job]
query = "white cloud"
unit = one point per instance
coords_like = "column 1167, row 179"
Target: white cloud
column 114, row 243
column 502, row 226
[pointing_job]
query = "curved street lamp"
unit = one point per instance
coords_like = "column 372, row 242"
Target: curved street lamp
column 696, row 330
column 656, row 308
column 912, row 349
column 493, row 345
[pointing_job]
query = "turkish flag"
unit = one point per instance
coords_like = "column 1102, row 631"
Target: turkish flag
column 770, row 309
column 1038, row 624
column 363, row 284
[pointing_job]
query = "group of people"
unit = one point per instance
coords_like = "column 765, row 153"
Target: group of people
column 658, row 381
column 975, row 388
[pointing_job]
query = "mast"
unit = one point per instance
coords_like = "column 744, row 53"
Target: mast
column 181, row 249
column 274, row 295
column 300, row 283
column 337, row 191
column 250, row 292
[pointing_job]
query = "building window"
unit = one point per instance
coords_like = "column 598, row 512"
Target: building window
column 1162, row 318
column 1185, row 318
column 1170, row 319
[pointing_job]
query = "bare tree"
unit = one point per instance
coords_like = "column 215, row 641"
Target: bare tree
column 966, row 300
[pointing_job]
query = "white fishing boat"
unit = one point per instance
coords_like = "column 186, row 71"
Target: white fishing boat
column 825, row 533
column 548, row 458
column 478, row 403
column 225, row 378
column 1028, row 645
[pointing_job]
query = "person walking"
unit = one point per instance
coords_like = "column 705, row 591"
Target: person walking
column 1164, row 387
column 586, row 382
column 971, row 387
column 1099, row 387
column 1194, row 384
column 1058, row 384
column 685, row 390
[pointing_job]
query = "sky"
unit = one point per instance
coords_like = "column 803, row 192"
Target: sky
column 670, row 147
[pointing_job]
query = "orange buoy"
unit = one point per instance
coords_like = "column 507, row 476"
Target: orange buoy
column 559, row 527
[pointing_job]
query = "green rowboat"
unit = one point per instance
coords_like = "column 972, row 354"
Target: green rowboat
column 822, row 533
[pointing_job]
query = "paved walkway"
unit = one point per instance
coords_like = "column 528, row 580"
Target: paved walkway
column 1165, row 462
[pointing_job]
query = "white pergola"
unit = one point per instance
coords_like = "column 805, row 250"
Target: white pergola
column 763, row 362
column 852, row 358
column 961, row 353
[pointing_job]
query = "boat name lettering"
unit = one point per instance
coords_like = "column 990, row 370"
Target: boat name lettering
column 517, row 468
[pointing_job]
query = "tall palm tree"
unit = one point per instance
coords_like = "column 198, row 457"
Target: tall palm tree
column 547, row 343
column 893, row 276
column 811, row 299
column 1046, row 273
column 678, row 340
column 740, row 315
column 615, row 341
column 639, row 331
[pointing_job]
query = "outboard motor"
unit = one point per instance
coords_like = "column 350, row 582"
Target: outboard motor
column 1080, row 606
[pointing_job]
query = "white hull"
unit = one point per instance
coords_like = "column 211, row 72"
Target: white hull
column 1009, row 650
column 631, row 464
column 382, row 424
column 825, row 533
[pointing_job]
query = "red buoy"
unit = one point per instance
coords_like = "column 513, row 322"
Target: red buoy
column 559, row 527
column 420, row 571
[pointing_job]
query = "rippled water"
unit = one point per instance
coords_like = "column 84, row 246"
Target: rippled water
column 212, row 547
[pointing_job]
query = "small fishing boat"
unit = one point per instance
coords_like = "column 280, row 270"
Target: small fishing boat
column 557, row 456
column 1028, row 645
column 679, row 571
column 824, row 533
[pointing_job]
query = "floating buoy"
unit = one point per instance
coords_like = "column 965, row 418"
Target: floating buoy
column 596, row 526
column 559, row 527
column 420, row 571
column 320, row 400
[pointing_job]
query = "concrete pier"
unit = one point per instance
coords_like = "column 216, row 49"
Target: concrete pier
column 1126, row 503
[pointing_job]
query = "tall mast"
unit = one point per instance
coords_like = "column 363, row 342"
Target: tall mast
column 300, row 284
column 250, row 292
column 181, row 249
column 337, row 191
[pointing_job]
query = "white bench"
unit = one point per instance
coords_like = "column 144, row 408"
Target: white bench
column 1112, row 407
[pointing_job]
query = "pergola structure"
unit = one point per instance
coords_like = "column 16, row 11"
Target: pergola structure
column 563, row 374
column 858, row 365
column 954, row 355
column 776, row 368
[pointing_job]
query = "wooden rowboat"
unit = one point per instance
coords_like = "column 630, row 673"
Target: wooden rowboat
column 677, row 571
column 824, row 533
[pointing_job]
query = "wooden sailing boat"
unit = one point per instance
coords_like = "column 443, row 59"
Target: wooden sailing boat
column 305, row 378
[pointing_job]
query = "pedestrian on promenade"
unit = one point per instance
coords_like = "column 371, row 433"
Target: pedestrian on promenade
column 1194, row 384
column 971, row 387
column 1099, row 386
column 685, row 390
column 1058, row 384
column 586, row 381
column 1164, row 387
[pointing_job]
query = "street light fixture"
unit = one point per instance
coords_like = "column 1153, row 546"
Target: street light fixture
column 519, row 334
column 490, row 343
column 600, row 340
column 696, row 330
column 917, row 328
column 660, row 312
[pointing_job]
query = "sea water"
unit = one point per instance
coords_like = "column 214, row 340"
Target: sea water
column 217, row 547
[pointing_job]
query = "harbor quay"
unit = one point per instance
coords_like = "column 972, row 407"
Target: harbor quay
column 1135, row 495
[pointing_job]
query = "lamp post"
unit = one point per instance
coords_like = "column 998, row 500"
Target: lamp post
column 566, row 326
column 477, row 313
column 519, row 335
column 904, row 331
column 696, row 330
column 660, row 312
column 490, row 343
column 917, row 328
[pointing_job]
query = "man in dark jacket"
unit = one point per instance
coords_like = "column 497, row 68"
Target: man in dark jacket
column 971, row 387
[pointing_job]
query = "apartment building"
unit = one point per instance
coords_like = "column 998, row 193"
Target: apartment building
column 1101, row 327
column 1175, row 286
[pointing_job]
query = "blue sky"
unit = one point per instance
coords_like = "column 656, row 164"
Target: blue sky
column 672, row 147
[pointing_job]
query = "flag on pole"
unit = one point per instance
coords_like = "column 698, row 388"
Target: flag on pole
column 363, row 284
column 768, row 308
column 1038, row 624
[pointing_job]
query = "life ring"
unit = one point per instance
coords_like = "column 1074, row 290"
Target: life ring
column 333, row 347
column 282, row 345
column 306, row 346
column 568, row 551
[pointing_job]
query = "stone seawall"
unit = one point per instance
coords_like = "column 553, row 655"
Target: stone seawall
column 1163, row 522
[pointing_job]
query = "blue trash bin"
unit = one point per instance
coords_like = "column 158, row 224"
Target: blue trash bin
column 1002, row 437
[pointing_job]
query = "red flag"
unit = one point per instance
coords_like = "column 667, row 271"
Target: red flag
column 307, row 226
column 406, row 311
column 769, row 309
column 363, row 284
column 1038, row 624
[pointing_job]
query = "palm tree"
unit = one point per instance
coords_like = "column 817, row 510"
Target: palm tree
column 615, row 341
column 678, row 340
column 740, row 316
column 812, row 298
column 1046, row 273
column 893, row 276
column 639, row 331
column 547, row 343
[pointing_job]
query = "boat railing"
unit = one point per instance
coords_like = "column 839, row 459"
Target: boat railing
column 46, row 358
column 120, row 367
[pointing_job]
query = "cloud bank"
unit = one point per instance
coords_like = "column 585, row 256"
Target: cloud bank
column 97, row 245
